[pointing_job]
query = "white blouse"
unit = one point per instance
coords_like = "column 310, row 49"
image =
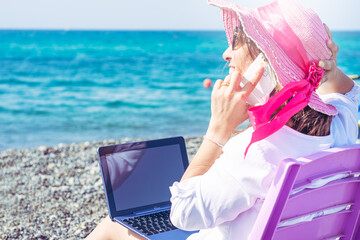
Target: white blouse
column 225, row 201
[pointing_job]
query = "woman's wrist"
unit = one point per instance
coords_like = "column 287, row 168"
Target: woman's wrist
column 336, row 82
column 214, row 142
column 218, row 134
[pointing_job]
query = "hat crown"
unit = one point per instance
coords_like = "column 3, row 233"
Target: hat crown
column 309, row 28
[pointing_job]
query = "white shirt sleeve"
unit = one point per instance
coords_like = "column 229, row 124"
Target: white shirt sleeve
column 344, row 126
column 207, row 201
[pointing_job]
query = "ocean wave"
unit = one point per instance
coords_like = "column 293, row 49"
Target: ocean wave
column 56, row 81
column 125, row 104
column 13, row 82
column 73, row 83
column 170, row 86
column 25, row 111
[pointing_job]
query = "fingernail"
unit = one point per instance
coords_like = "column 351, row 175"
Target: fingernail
column 329, row 41
column 321, row 64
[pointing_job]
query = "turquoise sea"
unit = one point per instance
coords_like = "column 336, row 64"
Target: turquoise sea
column 77, row 86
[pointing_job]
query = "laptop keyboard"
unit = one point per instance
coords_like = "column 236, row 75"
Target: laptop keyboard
column 151, row 224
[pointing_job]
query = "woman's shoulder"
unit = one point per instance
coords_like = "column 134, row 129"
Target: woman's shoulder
column 288, row 143
column 344, row 125
column 239, row 142
column 235, row 145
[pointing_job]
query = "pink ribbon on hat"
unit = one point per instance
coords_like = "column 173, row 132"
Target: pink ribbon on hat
column 298, row 92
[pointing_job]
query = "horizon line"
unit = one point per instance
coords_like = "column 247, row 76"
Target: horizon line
column 144, row 30
column 103, row 29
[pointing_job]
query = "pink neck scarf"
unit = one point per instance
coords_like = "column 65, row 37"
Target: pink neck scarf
column 298, row 92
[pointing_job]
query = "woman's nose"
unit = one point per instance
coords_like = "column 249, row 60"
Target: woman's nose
column 227, row 55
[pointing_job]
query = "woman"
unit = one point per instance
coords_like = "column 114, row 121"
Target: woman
column 223, row 188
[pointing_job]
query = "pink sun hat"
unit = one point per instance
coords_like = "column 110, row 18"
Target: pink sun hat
column 263, row 23
column 293, row 39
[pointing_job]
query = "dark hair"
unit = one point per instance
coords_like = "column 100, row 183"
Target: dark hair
column 307, row 121
column 240, row 39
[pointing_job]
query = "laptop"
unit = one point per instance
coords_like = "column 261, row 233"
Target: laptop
column 136, row 179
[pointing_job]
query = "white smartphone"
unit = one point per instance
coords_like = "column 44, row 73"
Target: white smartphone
column 261, row 93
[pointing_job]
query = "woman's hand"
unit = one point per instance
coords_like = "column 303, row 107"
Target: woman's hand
column 330, row 66
column 334, row 80
column 228, row 105
column 228, row 110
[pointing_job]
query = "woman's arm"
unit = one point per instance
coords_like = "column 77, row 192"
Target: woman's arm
column 335, row 81
column 228, row 110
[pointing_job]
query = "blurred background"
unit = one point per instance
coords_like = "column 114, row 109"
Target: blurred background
column 77, row 71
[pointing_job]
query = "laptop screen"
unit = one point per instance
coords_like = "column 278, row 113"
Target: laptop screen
column 138, row 175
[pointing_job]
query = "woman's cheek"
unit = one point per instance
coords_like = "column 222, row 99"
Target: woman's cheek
column 240, row 63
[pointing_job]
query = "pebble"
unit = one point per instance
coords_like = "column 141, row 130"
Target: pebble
column 51, row 166
column 42, row 148
column 59, row 194
column 71, row 181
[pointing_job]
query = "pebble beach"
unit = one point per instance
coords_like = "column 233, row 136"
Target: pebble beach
column 55, row 192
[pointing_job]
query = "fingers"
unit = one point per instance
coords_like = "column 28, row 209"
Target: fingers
column 249, row 86
column 333, row 48
column 328, row 32
column 227, row 78
column 330, row 43
column 328, row 64
column 217, row 84
column 331, row 63
column 235, row 81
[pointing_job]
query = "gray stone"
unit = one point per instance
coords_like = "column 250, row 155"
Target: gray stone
column 42, row 148
column 60, row 190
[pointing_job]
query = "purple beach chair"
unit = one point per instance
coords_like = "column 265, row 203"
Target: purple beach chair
column 314, row 197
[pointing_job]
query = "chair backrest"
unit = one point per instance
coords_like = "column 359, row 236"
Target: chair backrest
column 314, row 197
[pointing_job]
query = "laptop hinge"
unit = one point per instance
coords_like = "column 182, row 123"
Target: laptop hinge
column 155, row 209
